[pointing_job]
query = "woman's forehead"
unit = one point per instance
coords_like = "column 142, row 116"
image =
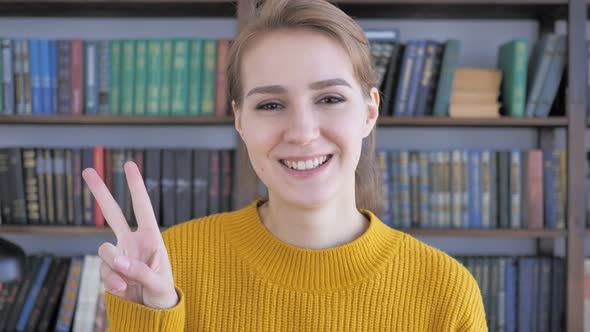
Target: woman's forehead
column 301, row 57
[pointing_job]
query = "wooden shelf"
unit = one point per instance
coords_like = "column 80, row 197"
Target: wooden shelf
column 115, row 8
column 114, row 120
column 431, row 121
column 58, row 230
column 456, row 9
column 519, row 233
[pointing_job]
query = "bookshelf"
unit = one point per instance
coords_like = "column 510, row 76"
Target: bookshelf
column 545, row 12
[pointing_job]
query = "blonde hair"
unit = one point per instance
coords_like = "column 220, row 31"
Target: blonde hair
column 322, row 16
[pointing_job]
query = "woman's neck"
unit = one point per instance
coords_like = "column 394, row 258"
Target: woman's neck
column 329, row 226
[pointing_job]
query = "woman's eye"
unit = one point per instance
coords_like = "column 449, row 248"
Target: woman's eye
column 268, row 106
column 331, row 100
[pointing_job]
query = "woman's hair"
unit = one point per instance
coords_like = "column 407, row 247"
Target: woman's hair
column 318, row 15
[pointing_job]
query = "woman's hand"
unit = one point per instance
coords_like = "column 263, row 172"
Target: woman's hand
column 138, row 268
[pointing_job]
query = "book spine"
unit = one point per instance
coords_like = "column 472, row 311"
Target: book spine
column 17, row 69
column 127, row 77
column 200, row 183
column 42, row 191
column 87, row 199
column 38, row 279
column 405, row 210
column 424, row 178
column 19, row 210
column 64, row 73
column 154, row 77
column 26, row 78
column 7, row 77
column 68, row 300
column 31, row 187
column 77, row 185
column 90, row 65
column 53, row 75
column 195, row 74
column 515, row 189
column 447, row 75
column 208, row 78
column 69, row 179
column 168, row 190
column 456, row 189
column 115, row 78
column 77, row 79
column 182, row 188
column 414, row 190
column 140, row 77
column 180, row 75
column 415, row 77
column 104, row 77
column 60, row 188
column 99, row 167
column 214, row 184
column 486, row 195
column 221, row 97
column 166, row 82
column 401, row 96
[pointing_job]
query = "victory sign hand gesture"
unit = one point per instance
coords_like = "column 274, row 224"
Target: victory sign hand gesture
column 137, row 268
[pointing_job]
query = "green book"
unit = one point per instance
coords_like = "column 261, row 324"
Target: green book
column 208, row 78
column 127, row 77
column 115, row 93
column 447, row 74
column 512, row 61
column 180, row 72
column 166, row 82
column 154, row 76
column 195, row 73
column 140, row 77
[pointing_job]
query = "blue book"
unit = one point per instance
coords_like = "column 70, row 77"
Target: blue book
column 537, row 72
column 474, row 188
column 45, row 75
column 415, row 77
column 382, row 162
column 447, row 74
column 426, row 79
column 511, row 294
column 404, row 193
column 553, row 78
column 35, row 76
column 526, row 290
column 401, row 96
column 424, row 189
column 32, row 294
column 53, row 76
column 394, row 195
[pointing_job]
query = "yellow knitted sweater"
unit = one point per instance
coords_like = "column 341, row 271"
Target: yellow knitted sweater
column 232, row 274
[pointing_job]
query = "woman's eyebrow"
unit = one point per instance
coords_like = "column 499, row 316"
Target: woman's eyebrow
column 314, row 86
column 327, row 83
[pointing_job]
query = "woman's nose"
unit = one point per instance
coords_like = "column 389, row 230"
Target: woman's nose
column 303, row 126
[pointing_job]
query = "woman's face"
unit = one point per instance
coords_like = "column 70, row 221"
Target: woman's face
column 303, row 116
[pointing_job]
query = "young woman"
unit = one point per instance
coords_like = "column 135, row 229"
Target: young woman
column 312, row 256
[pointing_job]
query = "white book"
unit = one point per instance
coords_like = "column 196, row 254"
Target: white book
column 88, row 295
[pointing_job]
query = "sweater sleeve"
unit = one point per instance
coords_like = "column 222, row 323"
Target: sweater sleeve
column 124, row 315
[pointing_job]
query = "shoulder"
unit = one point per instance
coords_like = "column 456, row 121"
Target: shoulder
column 453, row 290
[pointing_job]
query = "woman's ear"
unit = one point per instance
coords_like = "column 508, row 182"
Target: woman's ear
column 372, row 111
column 237, row 117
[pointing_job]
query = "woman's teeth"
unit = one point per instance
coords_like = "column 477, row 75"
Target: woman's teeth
column 303, row 165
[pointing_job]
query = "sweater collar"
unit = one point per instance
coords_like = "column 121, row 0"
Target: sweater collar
column 310, row 269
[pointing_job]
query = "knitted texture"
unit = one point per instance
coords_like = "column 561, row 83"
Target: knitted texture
column 232, row 274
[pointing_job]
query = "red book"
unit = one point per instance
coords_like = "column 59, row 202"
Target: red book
column 77, row 79
column 108, row 169
column 99, row 167
column 221, row 94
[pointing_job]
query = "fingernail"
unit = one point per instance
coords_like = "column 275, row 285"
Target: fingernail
column 122, row 262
